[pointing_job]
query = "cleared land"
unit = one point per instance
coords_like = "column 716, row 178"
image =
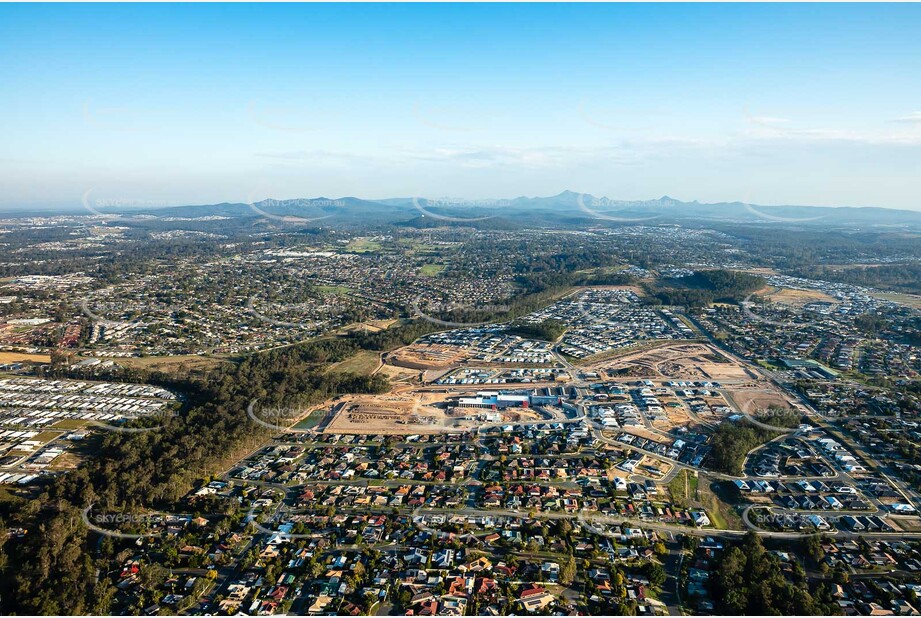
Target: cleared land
column 364, row 362
column 790, row 296
column 752, row 400
column 399, row 374
column 363, row 245
column 405, row 411
column 168, row 364
column 909, row 300
column 431, row 270
column 683, row 488
column 391, row 414
column 682, row 361
column 22, row 357
column 427, row 356
column 338, row 290
column 371, row 326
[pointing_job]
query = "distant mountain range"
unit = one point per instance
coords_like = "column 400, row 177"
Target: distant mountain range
column 567, row 208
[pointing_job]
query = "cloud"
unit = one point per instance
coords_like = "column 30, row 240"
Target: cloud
column 318, row 157
column 770, row 127
column 768, row 120
column 471, row 156
column 866, row 138
column 530, row 157
column 912, row 118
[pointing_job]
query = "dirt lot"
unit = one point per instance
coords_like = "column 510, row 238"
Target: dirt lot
column 371, row 326
column 645, row 433
column 423, row 356
column 676, row 417
column 906, row 524
column 406, row 411
column 409, row 410
column 755, row 399
column 652, row 467
column 682, row 361
column 399, row 374
column 386, row 414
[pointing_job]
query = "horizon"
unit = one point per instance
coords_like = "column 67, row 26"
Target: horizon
column 454, row 201
column 761, row 104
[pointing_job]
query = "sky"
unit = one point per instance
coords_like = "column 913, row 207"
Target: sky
column 162, row 104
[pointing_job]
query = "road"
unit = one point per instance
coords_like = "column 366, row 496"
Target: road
column 671, row 590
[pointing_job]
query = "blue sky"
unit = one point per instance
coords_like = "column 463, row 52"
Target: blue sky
column 771, row 104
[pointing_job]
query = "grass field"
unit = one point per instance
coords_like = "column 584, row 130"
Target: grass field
column 417, row 246
column 720, row 512
column 683, row 488
column 20, row 357
column 67, row 461
column 6, row 495
column 338, row 290
column 363, row 363
column 312, row 420
column 431, row 270
column 363, row 245
column 171, row 363
column 46, row 436
column 69, row 423
column 790, row 296
column 909, row 300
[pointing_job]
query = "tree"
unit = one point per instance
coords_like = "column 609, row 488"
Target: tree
column 656, row 574
column 814, row 549
column 568, row 571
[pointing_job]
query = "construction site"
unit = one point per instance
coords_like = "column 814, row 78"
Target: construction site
column 682, row 361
